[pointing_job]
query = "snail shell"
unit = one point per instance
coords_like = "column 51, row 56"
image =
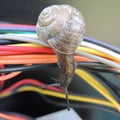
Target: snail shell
column 62, row 27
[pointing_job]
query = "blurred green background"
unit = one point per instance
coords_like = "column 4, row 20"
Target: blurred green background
column 102, row 18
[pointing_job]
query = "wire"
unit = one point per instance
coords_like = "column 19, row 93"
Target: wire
column 22, row 39
column 51, row 65
column 5, row 42
column 101, row 43
column 35, row 59
column 79, row 105
column 102, row 49
column 27, row 68
column 26, row 45
column 97, row 86
column 11, row 116
column 26, row 49
column 98, row 53
column 60, row 95
column 33, row 88
column 2, row 74
column 17, row 27
column 36, row 51
column 100, row 59
column 115, row 88
column 8, row 76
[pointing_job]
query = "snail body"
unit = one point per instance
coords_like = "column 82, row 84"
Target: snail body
column 62, row 27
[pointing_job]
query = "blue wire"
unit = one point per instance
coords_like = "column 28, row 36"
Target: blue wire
column 103, row 44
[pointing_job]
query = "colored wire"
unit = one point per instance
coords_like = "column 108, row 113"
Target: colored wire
column 98, row 53
column 26, row 45
column 89, row 50
column 10, row 75
column 35, row 59
column 26, row 49
column 101, row 43
column 22, row 39
column 30, row 82
column 97, row 86
column 114, row 88
column 81, row 105
column 62, row 96
column 100, row 59
column 17, row 27
column 36, row 46
column 27, row 53
column 13, row 117
column 59, row 95
column 102, row 49
column 2, row 74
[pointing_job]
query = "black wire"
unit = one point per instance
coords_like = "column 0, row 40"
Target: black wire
column 90, row 64
column 6, row 42
column 114, row 88
column 79, row 105
column 84, row 65
column 99, row 69
column 74, row 104
column 27, row 68
column 41, row 66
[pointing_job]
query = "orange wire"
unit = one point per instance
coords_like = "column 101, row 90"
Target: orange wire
column 36, row 59
column 27, row 56
column 10, row 117
column 8, row 76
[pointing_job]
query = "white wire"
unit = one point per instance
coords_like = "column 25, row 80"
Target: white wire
column 33, row 35
column 37, row 41
column 100, row 48
column 25, row 39
column 100, row 59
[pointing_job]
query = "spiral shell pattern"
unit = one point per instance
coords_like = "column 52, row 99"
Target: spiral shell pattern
column 62, row 27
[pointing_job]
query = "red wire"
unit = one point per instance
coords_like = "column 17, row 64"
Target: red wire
column 25, row 49
column 11, row 117
column 30, row 81
column 4, row 53
column 2, row 82
column 17, row 25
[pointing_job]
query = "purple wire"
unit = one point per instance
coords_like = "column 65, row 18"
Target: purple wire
column 103, row 44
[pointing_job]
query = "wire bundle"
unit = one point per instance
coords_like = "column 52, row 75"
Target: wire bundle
column 21, row 50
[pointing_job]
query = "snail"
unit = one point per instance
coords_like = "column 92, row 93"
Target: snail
column 62, row 27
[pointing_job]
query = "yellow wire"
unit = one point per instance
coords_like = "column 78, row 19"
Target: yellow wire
column 62, row 95
column 97, row 86
column 26, row 45
column 5, row 94
column 98, row 53
column 85, row 49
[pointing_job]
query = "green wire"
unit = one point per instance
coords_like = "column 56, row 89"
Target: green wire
column 15, row 32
